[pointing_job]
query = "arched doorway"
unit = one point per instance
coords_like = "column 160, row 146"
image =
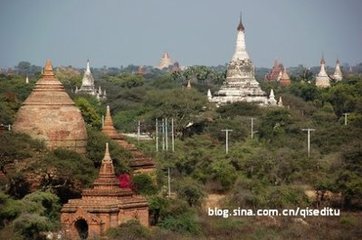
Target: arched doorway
column 82, row 228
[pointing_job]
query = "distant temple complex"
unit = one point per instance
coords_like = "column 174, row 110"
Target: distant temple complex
column 240, row 84
column 49, row 114
column 165, row 61
column 103, row 206
column 88, row 85
column 139, row 162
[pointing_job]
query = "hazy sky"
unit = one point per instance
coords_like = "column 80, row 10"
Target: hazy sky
column 203, row 32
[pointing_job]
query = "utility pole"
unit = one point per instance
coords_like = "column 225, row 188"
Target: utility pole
column 138, row 131
column 308, row 130
column 166, row 134
column 252, row 128
column 226, row 139
column 169, row 181
column 156, row 134
column 345, row 118
column 163, row 134
column 102, row 120
column 172, row 135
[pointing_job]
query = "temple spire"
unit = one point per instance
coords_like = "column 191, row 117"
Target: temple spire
column 48, row 69
column 88, row 67
column 338, row 76
column 108, row 127
column 272, row 100
column 241, row 26
column 107, row 156
column 209, row 95
column 322, row 79
column 280, row 102
column 188, row 84
column 240, row 48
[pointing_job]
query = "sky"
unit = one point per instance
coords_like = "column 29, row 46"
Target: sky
column 195, row 32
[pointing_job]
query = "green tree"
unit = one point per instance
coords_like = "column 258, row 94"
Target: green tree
column 191, row 191
column 89, row 112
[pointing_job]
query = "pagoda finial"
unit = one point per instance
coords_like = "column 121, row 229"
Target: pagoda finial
column 108, row 113
column 88, row 66
column 188, row 84
column 48, row 68
column 241, row 26
column 107, row 156
column 322, row 59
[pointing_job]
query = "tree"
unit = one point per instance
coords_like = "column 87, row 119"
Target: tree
column 182, row 105
column 89, row 112
column 349, row 181
column 143, row 184
column 274, row 123
column 191, row 191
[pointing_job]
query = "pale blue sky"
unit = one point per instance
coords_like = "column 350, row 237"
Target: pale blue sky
column 122, row 32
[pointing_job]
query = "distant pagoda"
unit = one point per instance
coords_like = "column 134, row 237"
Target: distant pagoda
column 322, row 79
column 165, row 61
column 275, row 73
column 240, row 84
column 88, row 85
column 284, row 79
column 338, row 75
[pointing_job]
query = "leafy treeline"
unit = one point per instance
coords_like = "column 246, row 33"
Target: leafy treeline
column 270, row 170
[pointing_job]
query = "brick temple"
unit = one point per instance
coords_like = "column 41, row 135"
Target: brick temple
column 49, row 114
column 139, row 162
column 103, row 206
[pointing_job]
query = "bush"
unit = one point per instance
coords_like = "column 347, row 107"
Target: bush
column 131, row 230
column 185, row 223
column 190, row 191
column 30, row 225
column 143, row 184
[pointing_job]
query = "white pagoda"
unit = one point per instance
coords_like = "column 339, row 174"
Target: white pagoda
column 338, row 76
column 88, row 85
column 322, row 79
column 240, row 84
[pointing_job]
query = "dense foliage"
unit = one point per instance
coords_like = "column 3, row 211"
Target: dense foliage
column 270, row 170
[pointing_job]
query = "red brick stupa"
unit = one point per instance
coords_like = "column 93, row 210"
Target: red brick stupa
column 104, row 206
column 139, row 162
column 49, row 114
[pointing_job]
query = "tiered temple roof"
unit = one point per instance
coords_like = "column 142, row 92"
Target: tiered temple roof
column 139, row 162
column 275, row 73
column 103, row 206
column 284, row 79
column 240, row 84
column 49, row 114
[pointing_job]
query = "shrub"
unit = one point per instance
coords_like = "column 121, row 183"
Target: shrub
column 131, row 230
column 143, row 184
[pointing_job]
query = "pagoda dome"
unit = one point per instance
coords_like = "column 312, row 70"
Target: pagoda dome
column 49, row 114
